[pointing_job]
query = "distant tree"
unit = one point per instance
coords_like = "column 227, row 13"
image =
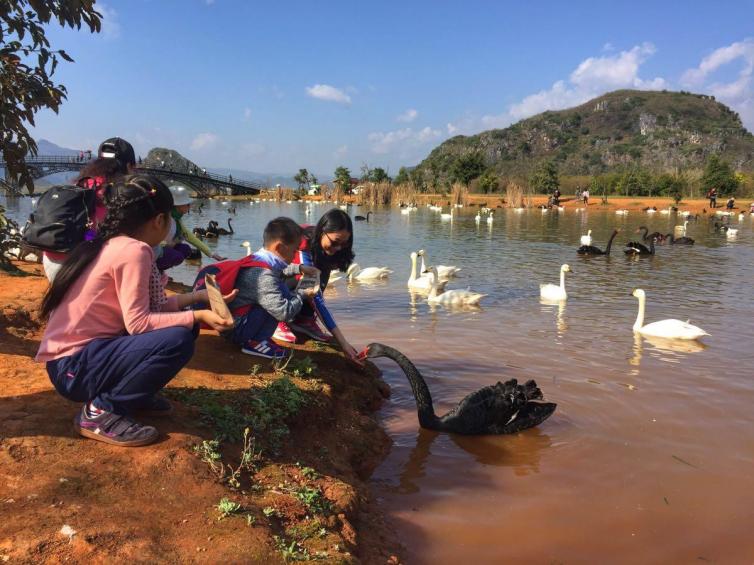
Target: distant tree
column 671, row 185
column 402, row 176
column 343, row 179
column 27, row 64
column 416, row 177
column 365, row 173
column 303, row 179
column 488, row 182
column 719, row 174
column 467, row 167
column 312, row 179
column 378, row 174
column 634, row 182
column 545, row 180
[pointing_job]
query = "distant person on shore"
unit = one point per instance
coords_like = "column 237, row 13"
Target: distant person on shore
column 115, row 158
column 731, row 203
column 712, row 195
column 173, row 251
column 585, row 197
column 555, row 201
column 103, row 345
column 328, row 246
column 263, row 298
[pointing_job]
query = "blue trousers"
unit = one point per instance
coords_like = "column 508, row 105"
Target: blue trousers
column 256, row 324
column 121, row 374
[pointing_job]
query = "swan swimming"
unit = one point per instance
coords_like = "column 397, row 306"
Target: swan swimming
column 669, row 329
column 587, row 239
column 452, row 297
column 356, row 273
column 422, row 282
column 443, row 271
column 553, row 291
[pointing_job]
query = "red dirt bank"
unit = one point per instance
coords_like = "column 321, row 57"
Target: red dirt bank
column 159, row 503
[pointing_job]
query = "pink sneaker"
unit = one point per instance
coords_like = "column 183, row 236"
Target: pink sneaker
column 310, row 328
column 283, row 333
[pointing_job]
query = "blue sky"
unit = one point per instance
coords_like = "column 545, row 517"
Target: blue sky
column 272, row 87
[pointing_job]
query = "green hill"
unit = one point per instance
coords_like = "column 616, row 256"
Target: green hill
column 658, row 131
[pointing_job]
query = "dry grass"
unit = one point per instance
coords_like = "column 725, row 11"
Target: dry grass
column 375, row 194
column 404, row 193
column 459, row 194
column 284, row 194
column 516, row 196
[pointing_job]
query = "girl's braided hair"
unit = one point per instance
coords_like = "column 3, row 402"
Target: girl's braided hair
column 131, row 202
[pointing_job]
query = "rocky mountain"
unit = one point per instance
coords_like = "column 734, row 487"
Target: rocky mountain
column 655, row 130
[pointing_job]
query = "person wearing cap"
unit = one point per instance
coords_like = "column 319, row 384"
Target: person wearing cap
column 115, row 158
column 173, row 251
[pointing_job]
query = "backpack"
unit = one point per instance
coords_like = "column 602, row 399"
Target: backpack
column 226, row 273
column 60, row 219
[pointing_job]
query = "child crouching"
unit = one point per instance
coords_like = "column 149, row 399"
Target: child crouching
column 263, row 298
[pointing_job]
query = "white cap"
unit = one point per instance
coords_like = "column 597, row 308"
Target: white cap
column 180, row 196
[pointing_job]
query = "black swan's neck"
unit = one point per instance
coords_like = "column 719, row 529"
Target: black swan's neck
column 230, row 227
column 671, row 237
column 652, row 246
column 427, row 418
column 610, row 242
column 646, row 231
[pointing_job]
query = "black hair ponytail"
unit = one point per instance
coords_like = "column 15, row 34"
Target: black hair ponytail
column 132, row 202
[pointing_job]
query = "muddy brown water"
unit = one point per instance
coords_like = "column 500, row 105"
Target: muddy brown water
column 649, row 457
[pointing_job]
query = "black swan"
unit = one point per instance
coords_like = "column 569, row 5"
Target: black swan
column 363, row 218
column 223, row 231
column 201, row 232
column 504, row 408
column 211, row 230
column 636, row 248
column 679, row 241
column 592, row 250
column 657, row 236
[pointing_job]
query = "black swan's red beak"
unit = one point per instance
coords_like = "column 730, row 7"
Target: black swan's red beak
column 363, row 355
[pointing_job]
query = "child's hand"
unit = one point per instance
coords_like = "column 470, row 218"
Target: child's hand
column 231, row 296
column 352, row 354
column 309, row 270
column 310, row 292
column 217, row 257
column 211, row 319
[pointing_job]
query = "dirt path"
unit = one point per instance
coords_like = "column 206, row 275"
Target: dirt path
column 306, row 500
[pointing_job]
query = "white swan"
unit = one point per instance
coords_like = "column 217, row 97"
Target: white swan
column 681, row 229
column 444, row 272
column 356, row 273
column 444, row 216
column 669, row 329
column 490, row 218
column 478, row 217
column 553, row 291
column 731, row 233
column 247, row 245
column 519, row 210
column 622, row 212
column 587, row 239
column 424, row 280
column 452, row 297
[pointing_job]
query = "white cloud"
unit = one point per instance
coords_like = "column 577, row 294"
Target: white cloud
column 246, row 114
column 592, row 77
column 738, row 93
column 402, row 139
column 408, row 116
column 341, row 152
column 110, row 21
column 204, row 140
column 328, row 93
column 608, row 46
column 452, row 129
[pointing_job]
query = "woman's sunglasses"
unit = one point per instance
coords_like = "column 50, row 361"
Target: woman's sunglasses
column 336, row 244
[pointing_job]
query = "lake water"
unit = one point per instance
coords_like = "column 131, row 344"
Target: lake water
column 649, row 457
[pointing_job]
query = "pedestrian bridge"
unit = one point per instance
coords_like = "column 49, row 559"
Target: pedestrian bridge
column 204, row 184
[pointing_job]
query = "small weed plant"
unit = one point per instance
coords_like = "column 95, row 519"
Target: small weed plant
column 227, row 507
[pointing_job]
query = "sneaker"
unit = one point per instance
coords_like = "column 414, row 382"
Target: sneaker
column 310, row 328
column 113, row 429
column 283, row 333
column 264, row 348
column 157, row 405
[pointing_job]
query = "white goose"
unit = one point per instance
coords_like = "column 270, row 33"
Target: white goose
column 356, row 273
column 669, row 329
column 424, row 280
column 452, row 297
column 444, row 272
column 587, row 239
column 553, row 291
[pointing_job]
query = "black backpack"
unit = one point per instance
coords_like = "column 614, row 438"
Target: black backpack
column 60, row 219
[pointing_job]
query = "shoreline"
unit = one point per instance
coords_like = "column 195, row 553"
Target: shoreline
column 309, row 498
